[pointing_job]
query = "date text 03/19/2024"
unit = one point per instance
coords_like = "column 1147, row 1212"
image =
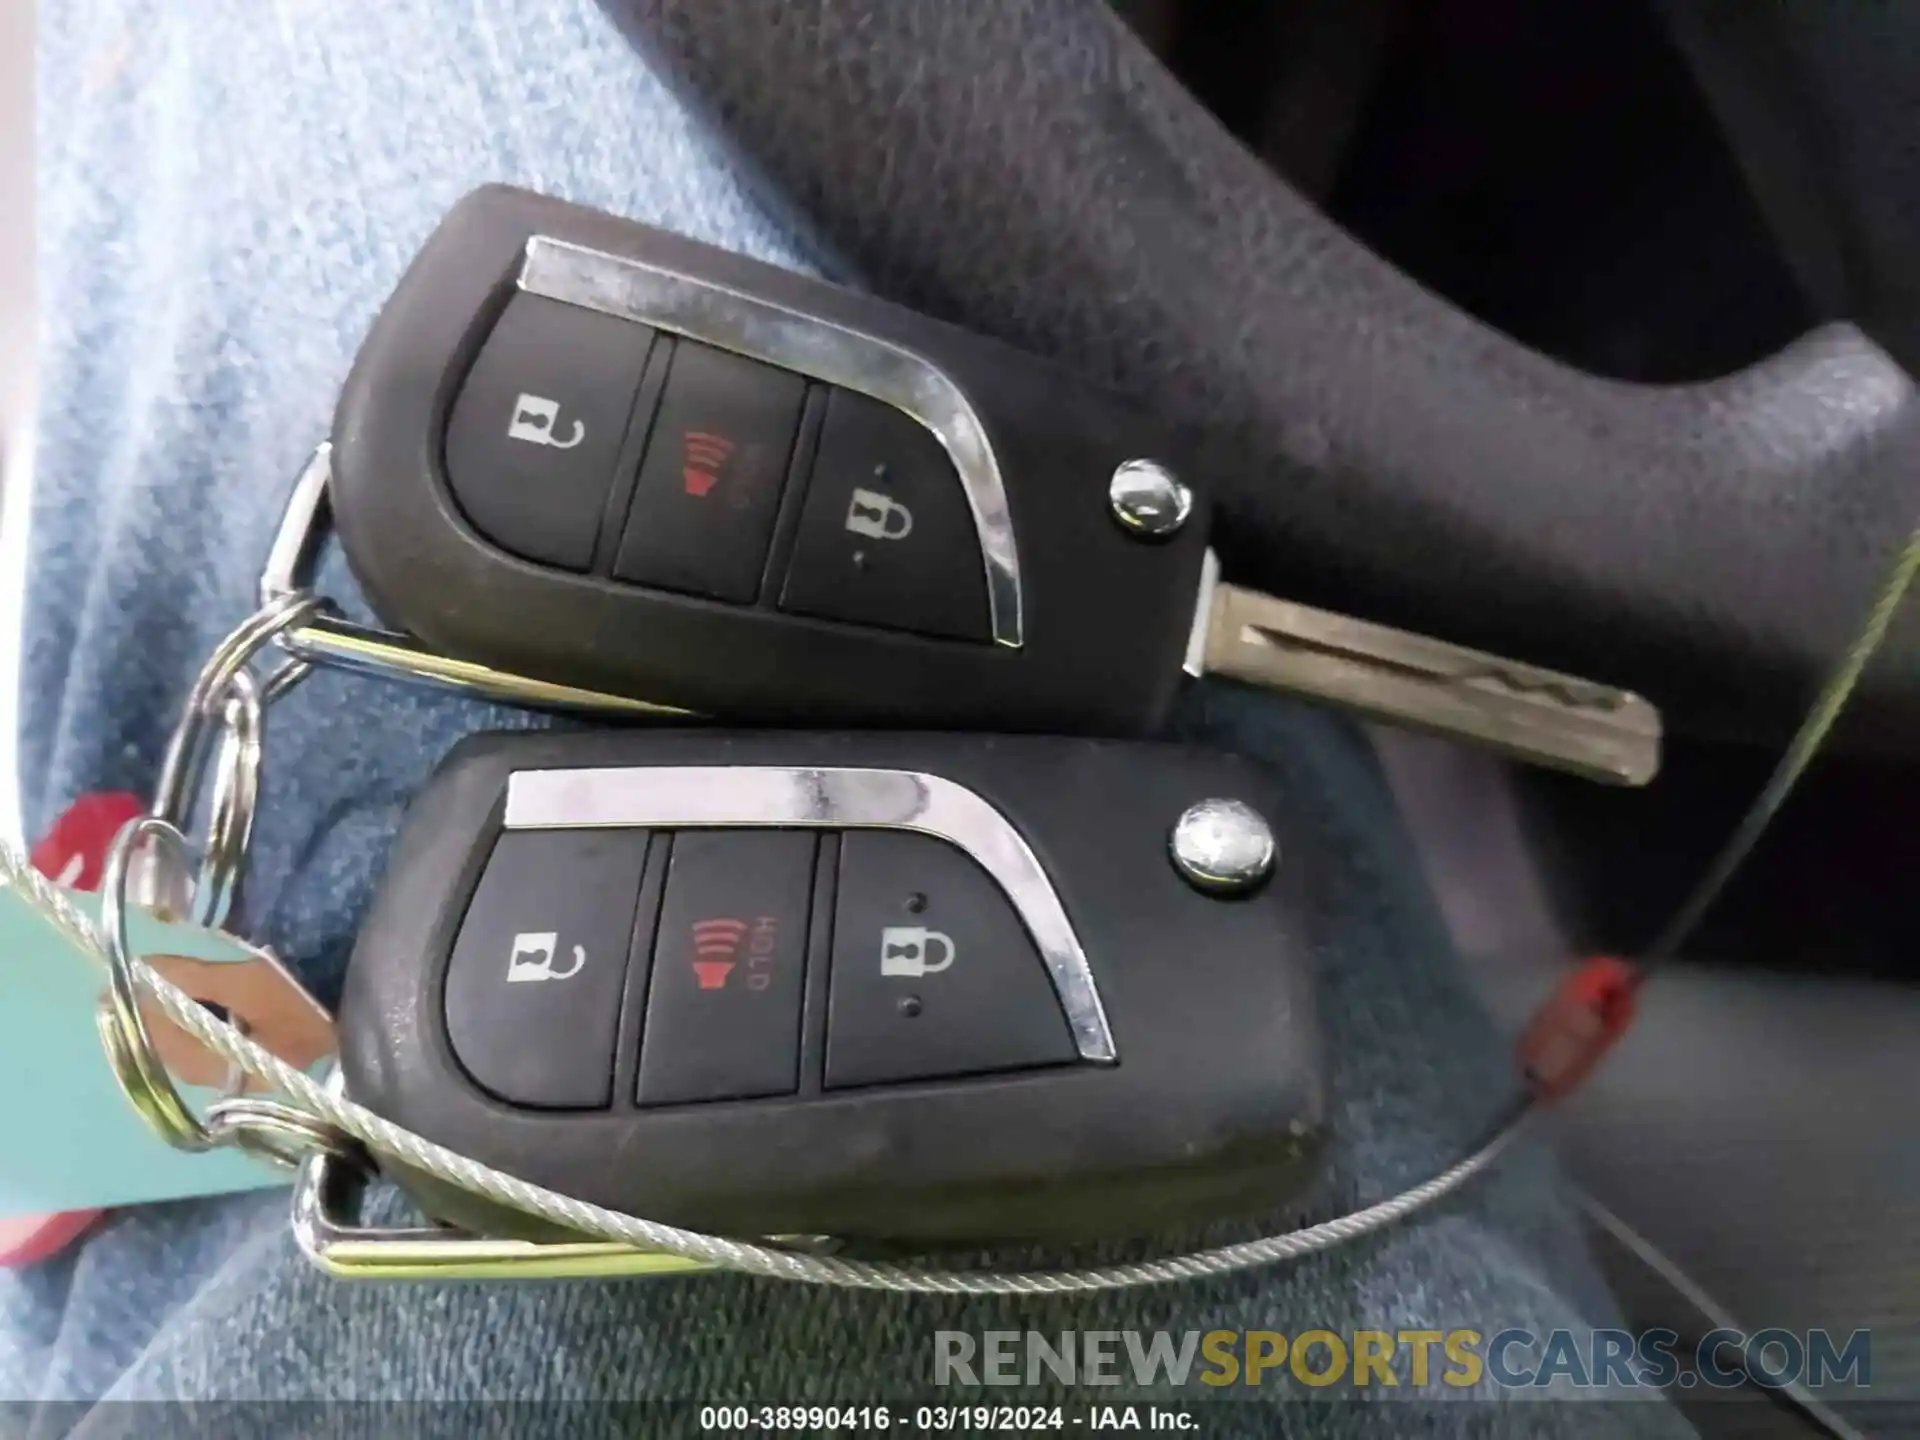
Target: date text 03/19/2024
column 935, row 1419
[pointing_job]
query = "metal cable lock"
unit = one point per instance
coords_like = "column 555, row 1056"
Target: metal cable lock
column 324, row 1124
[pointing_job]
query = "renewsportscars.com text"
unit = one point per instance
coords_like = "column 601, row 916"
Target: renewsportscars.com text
column 1459, row 1358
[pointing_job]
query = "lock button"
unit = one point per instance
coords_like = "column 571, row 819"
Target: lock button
column 933, row 974
column 886, row 535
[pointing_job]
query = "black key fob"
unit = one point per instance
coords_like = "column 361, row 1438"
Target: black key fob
column 582, row 450
column 884, row 986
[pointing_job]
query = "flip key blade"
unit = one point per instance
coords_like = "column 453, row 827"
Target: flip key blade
column 1539, row 716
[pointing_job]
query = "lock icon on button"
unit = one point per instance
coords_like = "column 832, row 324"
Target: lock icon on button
column 878, row 517
column 904, row 950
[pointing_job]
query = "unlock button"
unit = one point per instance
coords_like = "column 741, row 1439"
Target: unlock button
column 886, row 536
column 535, row 435
column 538, row 968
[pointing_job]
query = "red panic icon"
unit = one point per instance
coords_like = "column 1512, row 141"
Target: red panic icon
column 702, row 455
column 716, row 947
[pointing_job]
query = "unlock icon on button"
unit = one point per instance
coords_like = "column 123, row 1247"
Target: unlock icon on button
column 536, row 420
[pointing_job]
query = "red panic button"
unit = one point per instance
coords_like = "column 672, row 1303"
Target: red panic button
column 709, row 488
column 729, row 961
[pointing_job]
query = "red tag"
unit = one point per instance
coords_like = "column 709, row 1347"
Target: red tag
column 1579, row 1023
column 74, row 853
column 29, row 1239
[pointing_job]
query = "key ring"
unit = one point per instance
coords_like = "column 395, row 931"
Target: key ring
column 322, row 637
column 282, row 1135
column 222, row 721
column 123, row 1030
column 278, row 1133
column 155, row 862
column 226, row 703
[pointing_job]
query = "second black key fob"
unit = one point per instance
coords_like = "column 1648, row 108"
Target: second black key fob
column 586, row 451
column 885, row 986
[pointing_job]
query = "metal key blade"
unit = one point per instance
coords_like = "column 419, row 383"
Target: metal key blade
column 1535, row 715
